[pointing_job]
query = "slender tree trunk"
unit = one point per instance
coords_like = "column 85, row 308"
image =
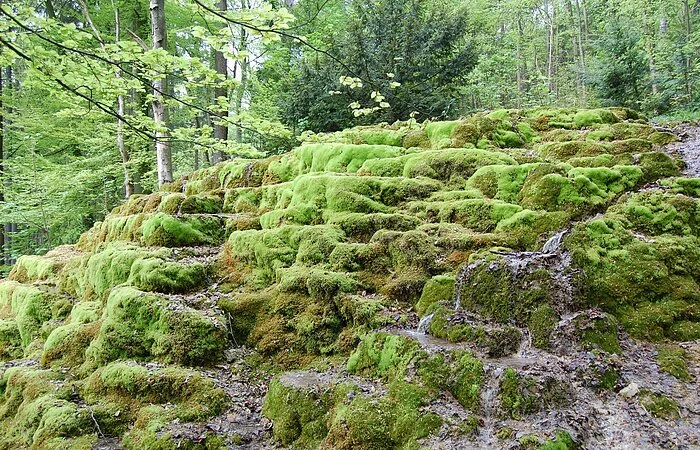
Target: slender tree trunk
column 240, row 96
column 688, row 55
column 2, row 164
column 50, row 11
column 519, row 57
column 8, row 228
column 121, row 110
column 581, row 51
column 221, row 130
column 550, row 50
column 160, row 86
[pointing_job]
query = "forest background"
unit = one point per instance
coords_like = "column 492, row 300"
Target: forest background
column 103, row 99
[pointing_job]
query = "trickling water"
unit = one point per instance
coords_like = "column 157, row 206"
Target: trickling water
column 424, row 323
column 462, row 277
column 488, row 398
column 552, row 245
column 550, row 256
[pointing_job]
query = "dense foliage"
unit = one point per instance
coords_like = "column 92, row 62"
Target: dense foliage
column 77, row 108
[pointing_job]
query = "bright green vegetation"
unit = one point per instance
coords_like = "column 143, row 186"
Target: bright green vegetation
column 674, row 360
column 312, row 252
column 659, row 405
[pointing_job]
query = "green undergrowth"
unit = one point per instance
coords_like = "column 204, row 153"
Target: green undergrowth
column 315, row 250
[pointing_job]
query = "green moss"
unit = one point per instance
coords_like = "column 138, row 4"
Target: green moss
column 515, row 399
column 298, row 415
column 10, row 340
column 601, row 334
column 685, row 186
column 34, row 409
column 674, row 360
column 467, row 376
column 363, row 226
column 662, row 138
column 416, row 138
column 440, row 130
column 657, row 165
column 162, row 230
column 561, row 441
column 201, row 204
column 495, row 341
column 31, row 308
column 659, row 405
column 382, row 355
column 138, row 325
column 541, row 325
column 328, row 158
column 437, row 289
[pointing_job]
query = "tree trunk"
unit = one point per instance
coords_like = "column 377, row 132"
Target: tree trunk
column 160, row 86
column 518, row 68
column 244, row 65
column 50, row 11
column 121, row 110
column 221, row 130
column 688, row 55
column 2, row 166
column 581, row 51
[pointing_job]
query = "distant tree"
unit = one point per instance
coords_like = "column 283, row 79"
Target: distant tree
column 620, row 73
column 420, row 46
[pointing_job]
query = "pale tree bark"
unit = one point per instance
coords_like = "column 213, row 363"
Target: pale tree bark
column 160, row 86
column 121, row 110
column 221, row 130
column 581, row 51
column 244, row 66
column 2, row 164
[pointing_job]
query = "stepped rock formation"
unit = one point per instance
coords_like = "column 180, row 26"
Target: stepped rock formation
column 551, row 255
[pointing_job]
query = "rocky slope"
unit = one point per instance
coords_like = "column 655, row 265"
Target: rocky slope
column 516, row 279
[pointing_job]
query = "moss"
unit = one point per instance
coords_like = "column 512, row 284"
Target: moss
column 630, row 146
column 437, row 289
column 201, row 204
column 657, row 165
column 515, row 399
column 298, row 415
column 601, row 334
column 34, row 409
column 363, row 226
column 138, row 325
column 328, row 158
column 440, row 130
column 659, row 405
column 66, row 345
column 685, row 186
column 467, row 376
column 674, row 360
column 416, row 138
column 501, row 182
column 170, row 203
column 384, row 423
column 561, row 441
column 10, row 340
column 31, row 308
column 495, row 341
column 505, row 433
column 162, row 230
column 382, row 355
column 541, row 325
column 586, row 118
column 662, row 138
column 243, row 311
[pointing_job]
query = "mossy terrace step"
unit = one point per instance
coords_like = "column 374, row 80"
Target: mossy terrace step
column 304, row 256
